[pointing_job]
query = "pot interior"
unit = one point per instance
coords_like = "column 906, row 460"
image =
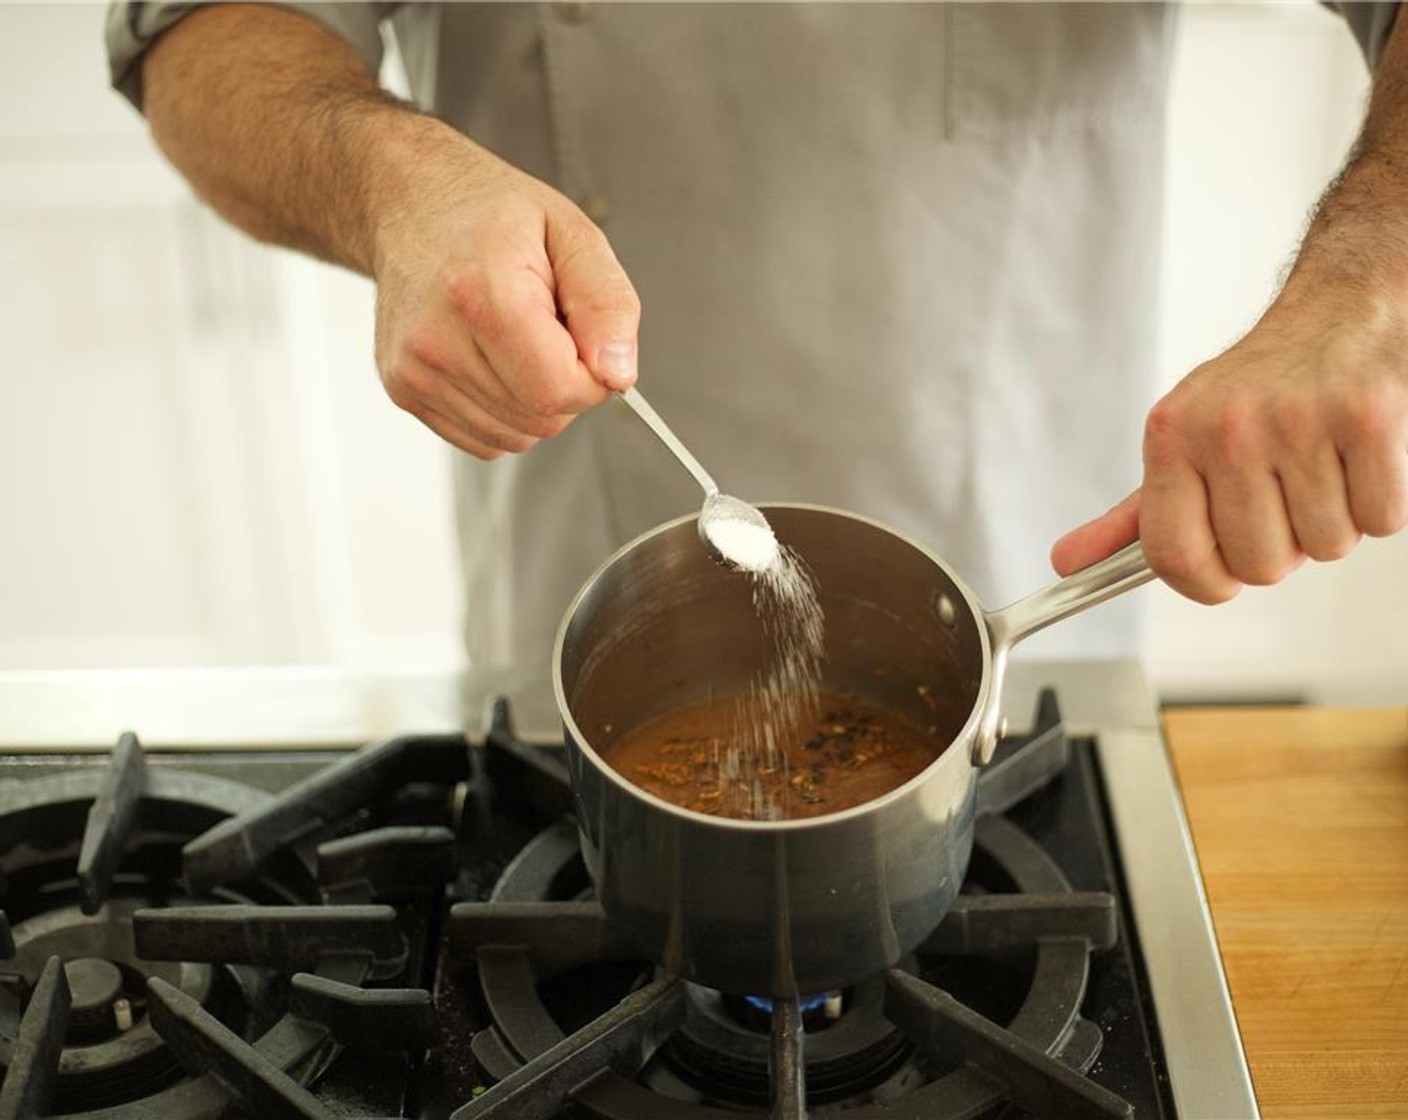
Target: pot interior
column 663, row 627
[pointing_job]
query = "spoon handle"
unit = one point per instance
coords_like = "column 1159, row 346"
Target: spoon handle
column 641, row 407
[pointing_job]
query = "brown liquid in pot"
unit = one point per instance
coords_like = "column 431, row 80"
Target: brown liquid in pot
column 853, row 753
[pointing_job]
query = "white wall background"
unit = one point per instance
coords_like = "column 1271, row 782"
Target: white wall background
column 197, row 463
column 198, row 467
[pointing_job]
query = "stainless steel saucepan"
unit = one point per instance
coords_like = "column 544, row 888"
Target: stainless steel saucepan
column 798, row 907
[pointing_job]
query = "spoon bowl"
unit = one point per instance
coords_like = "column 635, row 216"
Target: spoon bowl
column 734, row 533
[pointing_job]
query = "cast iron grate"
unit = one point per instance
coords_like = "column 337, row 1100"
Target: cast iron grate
column 915, row 1051
column 113, row 978
column 331, row 894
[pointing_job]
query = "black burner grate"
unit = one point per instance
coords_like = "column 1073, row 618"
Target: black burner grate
column 259, row 985
column 913, row 1050
column 299, row 950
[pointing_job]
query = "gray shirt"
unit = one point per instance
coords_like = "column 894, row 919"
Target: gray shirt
column 895, row 259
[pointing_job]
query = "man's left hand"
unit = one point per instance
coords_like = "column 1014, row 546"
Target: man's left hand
column 1292, row 444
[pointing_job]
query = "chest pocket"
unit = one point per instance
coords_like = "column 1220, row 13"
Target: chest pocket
column 1023, row 69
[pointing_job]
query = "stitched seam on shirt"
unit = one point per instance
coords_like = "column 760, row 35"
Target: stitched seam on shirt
column 948, row 64
column 563, row 146
column 564, row 151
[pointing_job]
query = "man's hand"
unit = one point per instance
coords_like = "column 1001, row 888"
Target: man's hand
column 1293, row 443
column 501, row 311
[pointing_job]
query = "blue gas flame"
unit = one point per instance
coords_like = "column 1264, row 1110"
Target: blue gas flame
column 807, row 1003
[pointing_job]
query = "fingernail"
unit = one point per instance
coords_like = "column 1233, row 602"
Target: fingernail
column 616, row 362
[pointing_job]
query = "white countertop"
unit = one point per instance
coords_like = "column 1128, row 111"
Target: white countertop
column 334, row 707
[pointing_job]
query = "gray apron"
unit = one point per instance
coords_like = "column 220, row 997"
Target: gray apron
column 898, row 260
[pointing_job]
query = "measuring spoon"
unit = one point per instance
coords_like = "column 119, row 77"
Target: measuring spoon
column 734, row 533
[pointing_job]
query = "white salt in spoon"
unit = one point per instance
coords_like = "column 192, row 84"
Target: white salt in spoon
column 733, row 532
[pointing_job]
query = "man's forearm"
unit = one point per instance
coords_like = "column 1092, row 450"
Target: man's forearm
column 1293, row 443
column 501, row 311
column 1358, row 238
column 278, row 125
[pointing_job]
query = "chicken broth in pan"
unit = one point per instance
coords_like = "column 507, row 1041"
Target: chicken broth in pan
column 852, row 753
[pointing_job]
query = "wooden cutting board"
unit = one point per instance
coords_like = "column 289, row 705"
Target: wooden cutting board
column 1300, row 819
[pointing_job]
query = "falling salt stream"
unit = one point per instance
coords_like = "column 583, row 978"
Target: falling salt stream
column 782, row 701
column 784, row 698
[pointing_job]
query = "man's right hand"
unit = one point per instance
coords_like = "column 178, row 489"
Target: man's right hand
column 502, row 313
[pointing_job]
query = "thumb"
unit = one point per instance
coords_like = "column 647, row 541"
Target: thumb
column 1097, row 539
column 596, row 301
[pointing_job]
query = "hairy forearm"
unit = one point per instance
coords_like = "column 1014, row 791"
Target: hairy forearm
column 1358, row 237
column 278, row 125
column 501, row 311
column 1293, row 442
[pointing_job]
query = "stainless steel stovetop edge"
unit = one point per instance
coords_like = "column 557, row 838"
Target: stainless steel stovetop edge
column 1112, row 702
column 1207, row 1065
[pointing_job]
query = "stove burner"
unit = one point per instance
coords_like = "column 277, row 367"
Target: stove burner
column 85, row 853
column 826, row 1001
column 902, row 1049
column 94, row 985
column 723, row 1052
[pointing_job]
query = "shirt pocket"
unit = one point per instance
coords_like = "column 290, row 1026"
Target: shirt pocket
column 1033, row 69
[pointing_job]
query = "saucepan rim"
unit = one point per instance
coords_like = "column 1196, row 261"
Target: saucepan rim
column 957, row 746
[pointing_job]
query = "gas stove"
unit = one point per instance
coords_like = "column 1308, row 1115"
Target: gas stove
column 219, row 928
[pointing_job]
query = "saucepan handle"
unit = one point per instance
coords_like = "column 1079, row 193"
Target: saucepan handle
column 1105, row 579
